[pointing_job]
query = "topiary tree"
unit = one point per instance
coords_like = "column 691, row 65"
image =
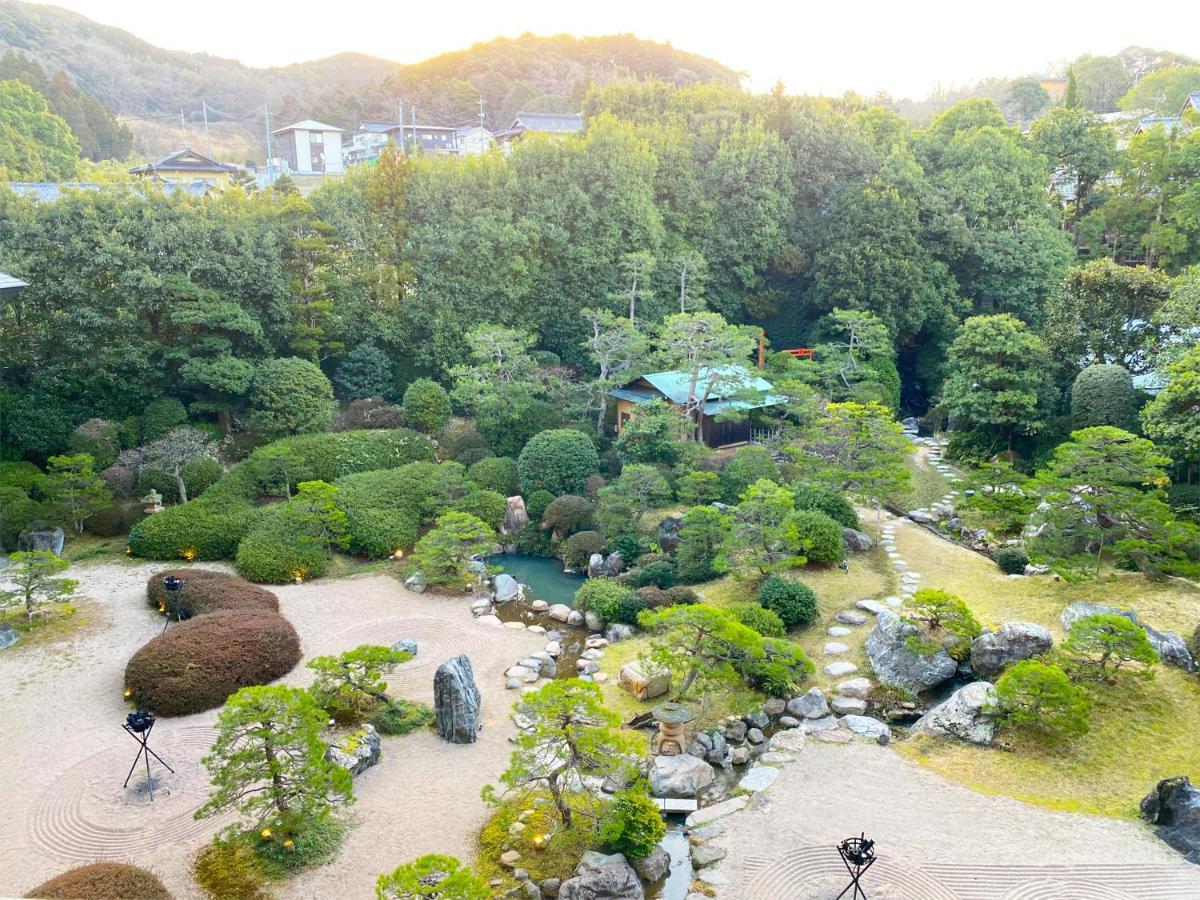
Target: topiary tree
column 815, row 535
column 1106, row 639
column 32, row 575
column 834, row 505
column 568, row 514
column 426, row 405
column 314, row 509
column 748, row 465
column 432, row 876
column 1039, row 697
column 351, row 685
column 268, row 762
column 643, row 486
column 443, row 553
column 706, row 648
column 1012, row 560
column 366, row 371
column 949, row 624
column 289, row 396
column 578, row 549
column 495, row 473
column 558, row 460
column 659, row 573
column 792, row 601
column 698, row 488
column 632, row 824
column 73, row 490
column 566, row 737
column 1105, row 395
column 702, row 536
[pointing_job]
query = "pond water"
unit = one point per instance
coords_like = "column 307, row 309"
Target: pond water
column 544, row 579
column 679, row 877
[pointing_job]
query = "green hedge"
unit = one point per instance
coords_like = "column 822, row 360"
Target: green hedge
column 487, row 506
column 495, row 473
column 275, row 551
column 819, row 536
column 836, row 506
column 558, row 460
column 199, row 530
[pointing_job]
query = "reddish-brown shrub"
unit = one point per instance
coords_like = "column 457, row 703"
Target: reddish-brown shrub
column 198, row 663
column 103, row 881
column 205, row 591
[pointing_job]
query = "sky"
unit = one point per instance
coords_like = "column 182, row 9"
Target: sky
column 905, row 48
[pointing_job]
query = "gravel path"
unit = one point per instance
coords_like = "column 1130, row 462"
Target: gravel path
column 936, row 840
column 65, row 755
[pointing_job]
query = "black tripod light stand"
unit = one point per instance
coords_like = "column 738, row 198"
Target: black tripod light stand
column 138, row 726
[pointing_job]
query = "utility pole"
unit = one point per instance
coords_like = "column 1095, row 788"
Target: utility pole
column 414, row 126
column 481, row 110
column 270, row 162
column 207, row 139
column 183, row 128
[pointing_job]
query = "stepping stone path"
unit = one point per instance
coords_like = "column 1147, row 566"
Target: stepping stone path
column 865, row 726
column 855, row 687
column 834, row 648
column 838, row 631
column 892, row 601
column 850, row 617
column 840, row 668
column 872, row 606
column 758, row 779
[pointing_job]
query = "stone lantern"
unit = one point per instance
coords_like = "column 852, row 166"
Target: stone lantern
column 671, row 717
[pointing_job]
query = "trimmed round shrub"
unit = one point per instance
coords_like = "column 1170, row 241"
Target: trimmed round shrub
column 23, row 475
column 457, row 437
column 1011, row 560
column 628, row 546
column 793, row 601
column 98, row 438
column 201, row 530
column 370, row 412
column 656, row 598
column 366, row 371
column 633, row 825
column 819, row 536
column 1105, row 395
column 659, row 573
column 116, row 519
column 748, row 465
column 426, row 405
column 17, row 512
column 159, row 417
column 536, row 505
column 579, row 547
column 205, row 591
column 610, row 600
column 198, row 476
column 495, row 473
column 558, row 460
column 289, row 395
column 102, row 881
column 569, row 513
column 487, row 506
column 836, row 506
column 765, row 621
column 274, row 552
column 197, row 664
column 699, row 488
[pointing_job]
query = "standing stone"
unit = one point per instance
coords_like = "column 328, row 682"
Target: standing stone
column 515, row 516
column 8, row 636
column 895, row 663
column 600, row 877
column 1174, row 807
column 41, row 538
column 456, row 700
column 667, row 536
column 1013, row 642
column 968, row 715
column 856, row 541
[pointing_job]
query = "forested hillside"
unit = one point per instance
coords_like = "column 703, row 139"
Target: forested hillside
column 148, row 86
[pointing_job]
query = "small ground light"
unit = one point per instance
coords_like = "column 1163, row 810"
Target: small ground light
column 266, row 833
column 298, row 576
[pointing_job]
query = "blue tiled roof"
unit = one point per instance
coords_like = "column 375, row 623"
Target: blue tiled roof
column 674, row 387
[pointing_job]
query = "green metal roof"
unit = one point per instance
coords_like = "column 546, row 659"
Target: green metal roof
column 635, row 394
column 674, row 385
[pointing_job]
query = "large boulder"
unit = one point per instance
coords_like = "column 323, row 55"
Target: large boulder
column 600, row 877
column 1076, row 611
column 895, row 663
column 1174, row 808
column 811, row 705
column 595, row 567
column 667, row 536
column 966, row 715
column 8, row 636
column 357, row 752
column 456, row 700
column 644, row 683
column 41, row 537
column 654, row 867
column 1172, row 649
column 682, row 775
column 614, row 565
column 507, row 588
column 1015, row 641
column 515, row 516
column 856, row 541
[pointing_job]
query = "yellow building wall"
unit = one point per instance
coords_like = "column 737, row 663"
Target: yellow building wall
column 187, row 176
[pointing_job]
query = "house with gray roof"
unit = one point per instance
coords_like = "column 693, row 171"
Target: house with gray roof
column 10, row 285
column 540, row 123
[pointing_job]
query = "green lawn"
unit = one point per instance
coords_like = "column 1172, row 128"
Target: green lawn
column 1141, row 731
